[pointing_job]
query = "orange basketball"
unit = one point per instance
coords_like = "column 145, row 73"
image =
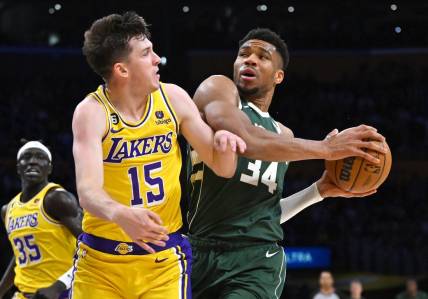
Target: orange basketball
column 357, row 175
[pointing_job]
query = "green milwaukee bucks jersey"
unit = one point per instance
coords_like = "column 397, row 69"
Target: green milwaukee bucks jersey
column 243, row 208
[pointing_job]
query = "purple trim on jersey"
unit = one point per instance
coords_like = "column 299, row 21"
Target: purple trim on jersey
column 185, row 253
column 149, row 110
column 75, row 260
column 170, row 110
column 119, row 248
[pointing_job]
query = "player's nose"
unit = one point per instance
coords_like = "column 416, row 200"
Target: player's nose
column 251, row 60
column 156, row 59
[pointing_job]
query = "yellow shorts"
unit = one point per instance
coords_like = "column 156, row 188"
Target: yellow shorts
column 124, row 270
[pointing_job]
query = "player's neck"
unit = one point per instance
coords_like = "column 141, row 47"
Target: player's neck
column 29, row 190
column 327, row 290
column 261, row 101
column 130, row 103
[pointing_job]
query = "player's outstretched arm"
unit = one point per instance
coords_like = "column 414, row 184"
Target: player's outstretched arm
column 89, row 125
column 217, row 99
column 217, row 150
column 6, row 281
column 324, row 187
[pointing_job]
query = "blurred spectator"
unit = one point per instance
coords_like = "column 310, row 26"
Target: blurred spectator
column 356, row 289
column 412, row 291
column 327, row 290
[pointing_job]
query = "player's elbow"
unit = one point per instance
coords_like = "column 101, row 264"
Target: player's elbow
column 84, row 192
column 215, row 121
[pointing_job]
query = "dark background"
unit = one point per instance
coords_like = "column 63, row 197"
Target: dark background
column 352, row 62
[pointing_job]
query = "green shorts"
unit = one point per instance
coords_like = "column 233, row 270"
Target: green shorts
column 226, row 271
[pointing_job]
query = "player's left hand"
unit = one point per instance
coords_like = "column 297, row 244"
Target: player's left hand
column 224, row 139
column 51, row 292
column 327, row 188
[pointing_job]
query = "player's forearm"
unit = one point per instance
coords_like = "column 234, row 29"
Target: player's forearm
column 224, row 164
column 297, row 202
column 262, row 144
column 285, row 149
column 97, row 202
column 7, row 280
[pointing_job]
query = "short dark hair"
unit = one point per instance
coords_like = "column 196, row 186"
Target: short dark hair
column 270, row 37
column 107, row 40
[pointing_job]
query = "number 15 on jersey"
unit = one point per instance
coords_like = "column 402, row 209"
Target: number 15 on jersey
column 156, row 193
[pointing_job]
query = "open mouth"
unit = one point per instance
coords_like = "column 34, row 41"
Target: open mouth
column 248, row 74
column 32, row 171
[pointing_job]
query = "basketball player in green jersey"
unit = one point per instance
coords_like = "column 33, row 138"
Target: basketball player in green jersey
column 234, row 224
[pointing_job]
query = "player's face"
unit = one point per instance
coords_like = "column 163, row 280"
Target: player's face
column 356, row 288
column 34, row 166
column 141, row 65
column 326, row 280
column 412, row 287
column 257, row 68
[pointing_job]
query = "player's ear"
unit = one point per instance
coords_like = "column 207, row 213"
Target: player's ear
column 279, row 76
column 120, row 70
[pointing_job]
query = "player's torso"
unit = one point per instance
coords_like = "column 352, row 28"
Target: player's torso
column 142, row 163
column 43, row 248
column 244, row 207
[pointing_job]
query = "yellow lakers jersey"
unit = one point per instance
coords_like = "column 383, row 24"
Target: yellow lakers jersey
column 142, row 163
column 43, row 247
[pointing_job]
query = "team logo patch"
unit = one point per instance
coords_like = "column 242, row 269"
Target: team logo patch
column 123, row 248
column 114, row 118
column 159, row 114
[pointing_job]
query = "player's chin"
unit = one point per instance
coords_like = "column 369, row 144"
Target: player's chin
column 33, row 178
column 248, row 89
column 155, row 85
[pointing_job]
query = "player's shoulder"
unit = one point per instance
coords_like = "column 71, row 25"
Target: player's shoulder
column 90, row 116
column 89, row 104
column 59, row 193
column 175, row 92
column 218, row 81
column 218, row 85
column 180, row 99
column 59, row 201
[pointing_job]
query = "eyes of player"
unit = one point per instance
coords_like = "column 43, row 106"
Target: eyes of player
column 243, row 54
column 261, row 55
column 145, row 52
column 38, row 156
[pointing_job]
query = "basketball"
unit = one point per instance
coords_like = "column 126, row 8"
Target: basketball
column 357, row 175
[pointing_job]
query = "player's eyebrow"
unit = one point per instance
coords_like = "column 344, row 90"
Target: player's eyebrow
column 268, row 49
column 147, row 48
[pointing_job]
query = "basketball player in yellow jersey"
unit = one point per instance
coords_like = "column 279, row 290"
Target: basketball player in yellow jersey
column 127, row 166
column 42, row 223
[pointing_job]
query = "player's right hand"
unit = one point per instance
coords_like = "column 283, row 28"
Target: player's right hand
column 224, row 140
column 142, row 226
column 327, row 188
column 352, row 142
